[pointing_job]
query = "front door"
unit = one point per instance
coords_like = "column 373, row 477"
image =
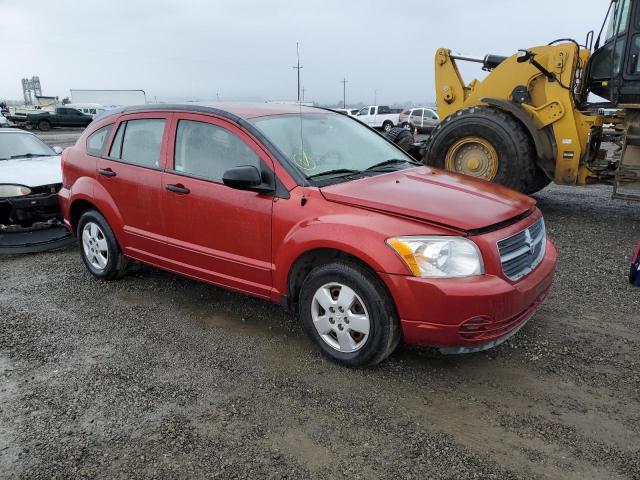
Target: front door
column 214, row 232
column 131, row 175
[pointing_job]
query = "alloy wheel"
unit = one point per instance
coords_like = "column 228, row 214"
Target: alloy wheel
column 94, row 246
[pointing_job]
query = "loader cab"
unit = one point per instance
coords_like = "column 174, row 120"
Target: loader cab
column 613, row 71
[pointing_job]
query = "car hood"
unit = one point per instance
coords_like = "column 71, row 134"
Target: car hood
column 31, row 172
column 435, row 196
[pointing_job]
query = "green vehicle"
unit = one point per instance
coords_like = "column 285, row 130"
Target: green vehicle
column 60, row 117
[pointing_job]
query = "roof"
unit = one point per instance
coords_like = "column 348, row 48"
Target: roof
column 241, row 110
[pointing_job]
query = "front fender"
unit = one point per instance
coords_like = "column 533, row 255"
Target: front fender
column 353, row 235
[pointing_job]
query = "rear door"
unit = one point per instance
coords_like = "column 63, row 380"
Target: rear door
column 61, row 117
column 214, row 232
column 131, row 175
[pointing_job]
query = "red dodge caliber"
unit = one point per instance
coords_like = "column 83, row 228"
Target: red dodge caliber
column 313, row 210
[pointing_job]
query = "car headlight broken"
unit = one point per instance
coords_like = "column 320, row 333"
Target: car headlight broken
column 439, row 257
column 8, row 191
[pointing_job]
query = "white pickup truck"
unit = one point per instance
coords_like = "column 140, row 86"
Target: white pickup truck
column 379, row 116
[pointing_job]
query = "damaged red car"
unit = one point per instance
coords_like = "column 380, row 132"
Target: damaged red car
column 313, row 210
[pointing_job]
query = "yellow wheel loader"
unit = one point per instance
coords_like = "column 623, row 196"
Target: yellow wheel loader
column 530, row 120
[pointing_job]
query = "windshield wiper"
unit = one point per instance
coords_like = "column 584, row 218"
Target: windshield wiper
column 338, row 171
column 391, row 161
column 31, row 155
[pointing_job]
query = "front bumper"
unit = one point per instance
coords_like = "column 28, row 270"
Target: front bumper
column 32, row 223
column 39, row 237
column 462, row 315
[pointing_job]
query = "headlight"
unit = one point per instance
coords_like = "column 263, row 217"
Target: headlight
column 439, row 256
column 7, row 191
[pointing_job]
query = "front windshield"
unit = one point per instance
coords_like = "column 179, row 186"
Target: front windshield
column 324, row 142
column 15, row 145
column 618, row 21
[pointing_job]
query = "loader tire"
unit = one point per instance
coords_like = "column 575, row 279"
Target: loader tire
column 540, row 180
column 486, row 143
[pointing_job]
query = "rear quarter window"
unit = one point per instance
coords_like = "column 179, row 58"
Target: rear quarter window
column 97, row 140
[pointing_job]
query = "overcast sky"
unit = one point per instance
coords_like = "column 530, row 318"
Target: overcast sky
column 244, row 50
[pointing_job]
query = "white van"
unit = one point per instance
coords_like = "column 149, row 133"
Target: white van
column 92, row 109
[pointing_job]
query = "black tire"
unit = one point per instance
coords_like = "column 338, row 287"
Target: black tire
column 116, row 264
column 514, row 147
column 540, row 181
column 44, row 125
column 401, row 137
column 384, row 332
column 387, row 125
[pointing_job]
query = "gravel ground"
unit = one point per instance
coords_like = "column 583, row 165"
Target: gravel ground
column 157, row 376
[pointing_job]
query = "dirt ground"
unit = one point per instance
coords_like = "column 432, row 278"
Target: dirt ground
column 157, row 376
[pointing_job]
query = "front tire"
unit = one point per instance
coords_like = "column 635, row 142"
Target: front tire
column 486, row 143
column 387, row 125
column 348, row 314
column 99, row 248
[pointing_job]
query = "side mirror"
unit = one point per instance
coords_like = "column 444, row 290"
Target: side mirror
column 246, row 177
column 57, row 149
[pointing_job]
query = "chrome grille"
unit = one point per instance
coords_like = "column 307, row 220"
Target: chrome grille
column 522, row 252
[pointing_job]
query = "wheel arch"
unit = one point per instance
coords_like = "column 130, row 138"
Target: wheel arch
column 309, row 259
column 86, row 194
column 77, row 208
column 542, row 140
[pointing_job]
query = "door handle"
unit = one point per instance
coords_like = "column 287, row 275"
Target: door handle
column 178, row 188
column 106, row 172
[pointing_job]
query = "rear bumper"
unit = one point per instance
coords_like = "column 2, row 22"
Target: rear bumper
column 469, row 314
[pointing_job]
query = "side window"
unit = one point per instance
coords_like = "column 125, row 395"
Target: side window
column 207, row 150
column 138, row 142
column 116, row 146
column 96, row 141
column 372, row 111
column 363, row 111
column 417, row 113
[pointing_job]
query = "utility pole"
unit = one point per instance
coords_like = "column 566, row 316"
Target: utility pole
column 303, row 90
column 375, row 96
column 298, row 67
column 344, row 92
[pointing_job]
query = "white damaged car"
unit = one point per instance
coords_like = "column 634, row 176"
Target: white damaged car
column 30, row 178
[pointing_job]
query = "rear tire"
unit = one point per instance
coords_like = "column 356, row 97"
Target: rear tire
column 387, row 125
column 44, row 125
column 365, row 303
column 487, row 143
column 99, row 248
